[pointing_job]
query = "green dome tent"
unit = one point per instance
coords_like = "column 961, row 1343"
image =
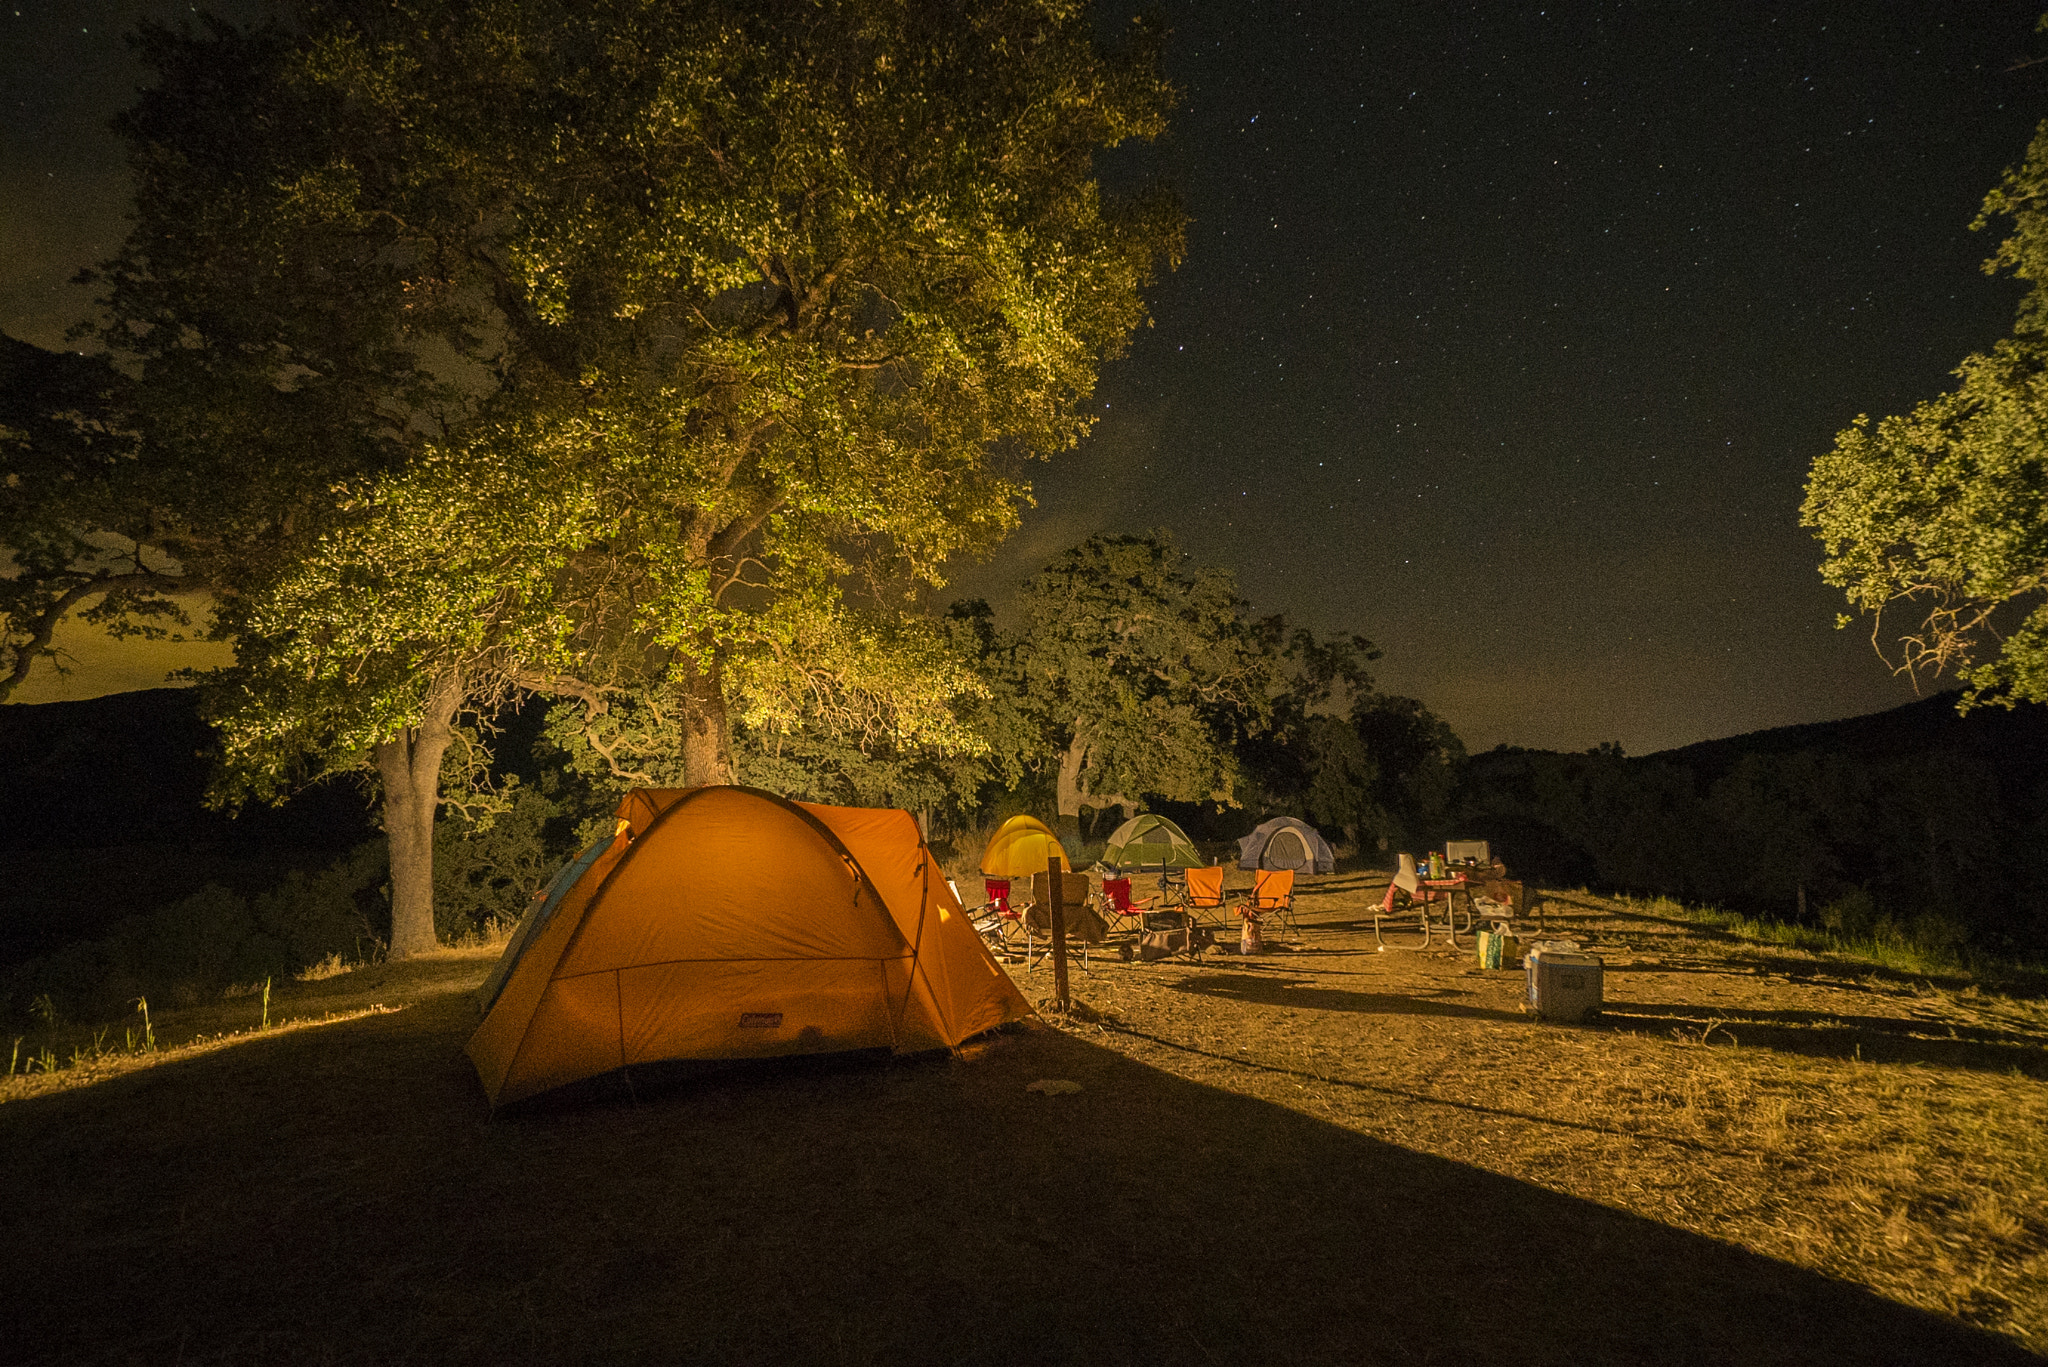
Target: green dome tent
column 1151, row 841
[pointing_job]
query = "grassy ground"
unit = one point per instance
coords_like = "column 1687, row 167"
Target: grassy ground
column 1327, row 1154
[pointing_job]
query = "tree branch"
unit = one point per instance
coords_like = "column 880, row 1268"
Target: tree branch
column 740, row 528
column 46, row 622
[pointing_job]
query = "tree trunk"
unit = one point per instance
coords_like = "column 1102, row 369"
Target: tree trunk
column 1067, row 791
column 1072, row 793
column 1068, row 797
column 410, row 766
column 707, row 730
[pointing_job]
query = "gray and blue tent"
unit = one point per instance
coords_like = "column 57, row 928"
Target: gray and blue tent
column 1286, row 842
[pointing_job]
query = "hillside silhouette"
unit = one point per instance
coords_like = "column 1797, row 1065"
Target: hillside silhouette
column 1915, row 822
column 103, row 815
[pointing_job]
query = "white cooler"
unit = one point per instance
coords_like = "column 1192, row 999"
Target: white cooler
column 1563, row 986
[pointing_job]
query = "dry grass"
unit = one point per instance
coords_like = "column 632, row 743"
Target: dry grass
column 1846, row 1118
column 1328, row 1154
column 83, row 1054
column 333, row 966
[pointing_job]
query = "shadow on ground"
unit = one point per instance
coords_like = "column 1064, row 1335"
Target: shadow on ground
column 340, row 1196
column 1287, row 989
column 1876, row 1039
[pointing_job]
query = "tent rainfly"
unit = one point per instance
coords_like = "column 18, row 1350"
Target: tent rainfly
column 1150, row 841
column 725, row 922
column 1286, row 842
column 1020, row 848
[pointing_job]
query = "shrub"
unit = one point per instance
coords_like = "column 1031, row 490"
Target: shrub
column 1940, row 936
column 1853, row 916
column 341, row 909
column 485, row 874
column 198, row 946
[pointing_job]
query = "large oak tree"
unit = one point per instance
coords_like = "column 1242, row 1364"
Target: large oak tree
column 616, row 348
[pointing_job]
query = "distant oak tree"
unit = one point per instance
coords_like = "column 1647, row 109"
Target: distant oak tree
column 1140, row 672
column 77, row 522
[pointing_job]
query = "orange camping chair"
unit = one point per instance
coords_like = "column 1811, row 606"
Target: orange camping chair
column 1272, row 895
column 1205, row 895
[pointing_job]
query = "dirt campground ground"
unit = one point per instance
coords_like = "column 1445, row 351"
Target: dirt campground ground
column 1326, row 1154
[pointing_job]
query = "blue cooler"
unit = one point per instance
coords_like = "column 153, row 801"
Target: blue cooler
column 1563, row 986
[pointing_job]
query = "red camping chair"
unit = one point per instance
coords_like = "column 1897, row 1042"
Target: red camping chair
column 1411, row 892
column 1272, row 895
column 1117, row 901
column 998, row 925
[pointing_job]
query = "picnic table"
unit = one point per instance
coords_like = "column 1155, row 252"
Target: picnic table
column 1428, row 892
column 1471, row 882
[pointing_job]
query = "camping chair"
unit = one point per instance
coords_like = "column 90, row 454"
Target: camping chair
column 1204, row 896
column 1117, row 903
column 1272, row 895
column 1084, row 927
column 998, row 925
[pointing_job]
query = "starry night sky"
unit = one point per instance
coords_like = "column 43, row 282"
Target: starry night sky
column 1505, row 337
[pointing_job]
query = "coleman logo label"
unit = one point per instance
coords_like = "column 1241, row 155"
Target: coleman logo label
column 760, row 1020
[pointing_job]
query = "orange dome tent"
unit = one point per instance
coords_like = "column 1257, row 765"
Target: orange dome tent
column 726, row 922
column 1020, row 848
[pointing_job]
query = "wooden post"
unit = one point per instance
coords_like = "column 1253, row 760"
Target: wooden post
column 1056, row 879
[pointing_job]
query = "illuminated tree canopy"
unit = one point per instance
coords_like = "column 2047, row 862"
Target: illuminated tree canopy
column 616, row 348
column 1942, row 514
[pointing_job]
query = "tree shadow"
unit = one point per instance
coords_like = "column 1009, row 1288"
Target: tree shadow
column 341, row 1196
column 1336, row 883
column 1825, row 1034
column 1749, row 968
column 2016, row 980
column 1290, row 990
column 1846, row 974
column 1426, row 1098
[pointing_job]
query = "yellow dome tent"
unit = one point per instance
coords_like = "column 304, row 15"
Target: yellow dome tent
column 725, row 922
column 1020, row 848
